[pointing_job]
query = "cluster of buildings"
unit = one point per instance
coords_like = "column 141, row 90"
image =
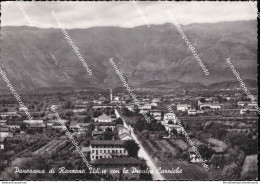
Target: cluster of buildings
column 111, row 154
column 100, row 148
column 4, row 133
column 9, row 114
column 246, row 107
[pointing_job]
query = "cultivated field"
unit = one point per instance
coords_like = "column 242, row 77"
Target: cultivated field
column 250, row 165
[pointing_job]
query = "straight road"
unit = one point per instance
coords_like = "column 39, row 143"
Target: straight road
column 142, row 153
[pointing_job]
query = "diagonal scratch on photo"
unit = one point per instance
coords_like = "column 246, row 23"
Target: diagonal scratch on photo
column 129, row 91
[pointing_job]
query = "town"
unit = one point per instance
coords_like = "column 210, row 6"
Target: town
column 113, row 134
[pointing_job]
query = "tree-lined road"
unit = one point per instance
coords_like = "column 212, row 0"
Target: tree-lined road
column 142, row 153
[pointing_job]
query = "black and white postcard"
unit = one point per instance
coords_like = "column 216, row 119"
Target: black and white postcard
column 128, row 91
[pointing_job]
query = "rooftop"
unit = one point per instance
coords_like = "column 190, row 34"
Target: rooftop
column 38, row 125
column 104, row 117
column 33, row 121
column 7, row 113
column 107, row 142
column 124, row 135
column 116, row 161
column 74, row 126
column 97, row 132
column 85, row 149
column 105, row 123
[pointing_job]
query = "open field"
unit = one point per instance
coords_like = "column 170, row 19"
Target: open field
column 164, row 154
column 250, row 165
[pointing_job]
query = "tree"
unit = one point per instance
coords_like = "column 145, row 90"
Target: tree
column 146, row 134
column 174, row 132
column 96, row 114
column 187, row 127
column 249, row 146
column 23, row 126
column 67, row 105
column 108, row 135
column 205, row 152
column 170, row 122
column 119, row 121
column 140, row 125
column 145, row 176
column 202, row 100
column 217, row 161
column 231, row 172
column 69, row 113
column 17, row 131
column 132, row 148
column 87, row 119
column 221, row 133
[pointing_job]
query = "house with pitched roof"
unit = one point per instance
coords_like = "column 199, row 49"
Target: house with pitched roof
column 104, row 118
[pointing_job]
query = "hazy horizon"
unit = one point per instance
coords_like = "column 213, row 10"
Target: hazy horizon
column 80, row 15
column 135, row 26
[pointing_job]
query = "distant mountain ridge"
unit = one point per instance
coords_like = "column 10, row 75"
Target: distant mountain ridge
column 35, row 58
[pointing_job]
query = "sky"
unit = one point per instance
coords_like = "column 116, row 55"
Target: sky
column 124, row 14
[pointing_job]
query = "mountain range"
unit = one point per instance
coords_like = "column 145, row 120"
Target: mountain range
column 150, row 57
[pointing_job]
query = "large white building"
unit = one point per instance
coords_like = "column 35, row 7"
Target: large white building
column 210, row 105
column 169, row 116
column 105, row 125
column 216, row 106
column 245, row 111
column 106, row 149
column 146, row 106
column 183, row 107
column 194, row 112
column 8, row 114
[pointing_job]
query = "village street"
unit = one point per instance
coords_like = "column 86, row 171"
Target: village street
column 142, row 153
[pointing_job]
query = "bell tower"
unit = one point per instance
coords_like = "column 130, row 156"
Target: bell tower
column 111, row 95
